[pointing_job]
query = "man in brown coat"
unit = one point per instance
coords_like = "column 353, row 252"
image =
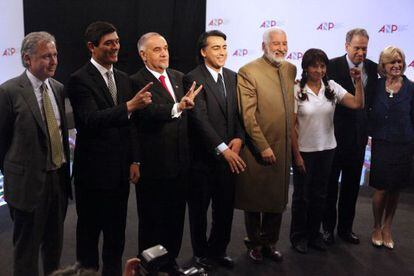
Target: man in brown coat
column 265, row 90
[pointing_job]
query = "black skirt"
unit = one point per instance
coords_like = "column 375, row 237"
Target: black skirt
column 390, row 165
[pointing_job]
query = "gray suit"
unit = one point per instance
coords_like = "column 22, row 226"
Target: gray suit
column 37, row 197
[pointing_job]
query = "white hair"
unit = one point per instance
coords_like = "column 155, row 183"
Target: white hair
column 268, row 32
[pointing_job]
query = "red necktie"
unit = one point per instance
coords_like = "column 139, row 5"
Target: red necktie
column 162, row 80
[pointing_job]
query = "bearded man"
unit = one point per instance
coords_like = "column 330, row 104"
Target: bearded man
column 265, row 91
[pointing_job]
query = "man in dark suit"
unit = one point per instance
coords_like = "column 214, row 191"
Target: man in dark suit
column 106, row 155
column 351, row 135
column 34, row 156
column 215, row 138
column 163, row 144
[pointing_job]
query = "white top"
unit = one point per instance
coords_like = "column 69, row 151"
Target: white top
column 315, row 118
column 174, row 111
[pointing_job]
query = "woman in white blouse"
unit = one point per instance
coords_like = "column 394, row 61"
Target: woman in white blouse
column 313, row 145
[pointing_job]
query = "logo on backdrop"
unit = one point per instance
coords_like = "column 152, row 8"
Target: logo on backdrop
column 328, row 26
column 294, row 56
column 8, row 52
column 270, row 23
column 217, row 22
column 392, row 28
column 240, row 53
column 411, row 64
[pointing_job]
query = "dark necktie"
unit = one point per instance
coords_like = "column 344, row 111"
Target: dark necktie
column 220, row 85
column 55, row 140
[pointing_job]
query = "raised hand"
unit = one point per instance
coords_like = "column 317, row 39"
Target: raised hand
column 355, row 73
column 187, row 102
column 141, row 99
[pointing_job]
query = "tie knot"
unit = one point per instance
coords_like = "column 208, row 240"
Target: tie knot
column 43, row 87
column 109, row 74
column 220, row 77
column 162, row 78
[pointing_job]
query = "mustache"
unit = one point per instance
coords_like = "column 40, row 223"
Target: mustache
column 280, row 52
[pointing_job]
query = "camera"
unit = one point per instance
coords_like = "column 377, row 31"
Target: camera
column 152, row 259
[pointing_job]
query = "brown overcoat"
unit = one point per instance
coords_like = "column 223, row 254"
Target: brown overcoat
column 266, row 108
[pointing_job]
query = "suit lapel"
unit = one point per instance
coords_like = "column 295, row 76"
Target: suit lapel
column 230, row 91
column 57, row 98
column 178, row 92
column 30, row 97
column 98, row 79
column 157, row 86
column 121, row 92
column 211, row 87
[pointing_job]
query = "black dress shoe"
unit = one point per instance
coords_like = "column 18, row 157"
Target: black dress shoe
column 255, row 255
column 272, row 253
column 349, row 237
column 171, row 270
column 225, row 261
column 301, row 246
column 317, row 244
column 203, row 262
column 328, row 237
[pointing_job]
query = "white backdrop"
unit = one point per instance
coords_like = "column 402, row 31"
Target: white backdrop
column 11, row 35
column 312, row 24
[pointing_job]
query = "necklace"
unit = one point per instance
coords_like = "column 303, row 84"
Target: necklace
column 392, row 91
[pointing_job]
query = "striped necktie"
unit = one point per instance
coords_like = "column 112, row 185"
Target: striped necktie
column 112, row 87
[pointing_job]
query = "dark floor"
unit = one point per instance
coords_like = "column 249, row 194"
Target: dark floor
column 341, row 259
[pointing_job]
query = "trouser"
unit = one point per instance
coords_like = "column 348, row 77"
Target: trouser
column 262, row 228
column 40, row 229
column 161, row 212
column 350, row 168
column 215, row 185
column 101, row 211
column 309, row 195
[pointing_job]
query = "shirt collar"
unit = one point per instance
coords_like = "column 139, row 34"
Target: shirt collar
column 100, row 68
column 36, row 83
column 352, row 65
column 310, row 91
column 214, row 73
column 156, row 74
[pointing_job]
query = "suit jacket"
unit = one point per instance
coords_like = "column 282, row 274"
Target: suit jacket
column 351, row 125
column 266, row 110
column 106, row 137
column 24, row 147
column 392, row 120
column 163, row 140
column 215, row 118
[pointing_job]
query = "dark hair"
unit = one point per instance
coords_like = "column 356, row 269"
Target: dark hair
column 202, row 42
column 96, row 30
column 311, row 57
